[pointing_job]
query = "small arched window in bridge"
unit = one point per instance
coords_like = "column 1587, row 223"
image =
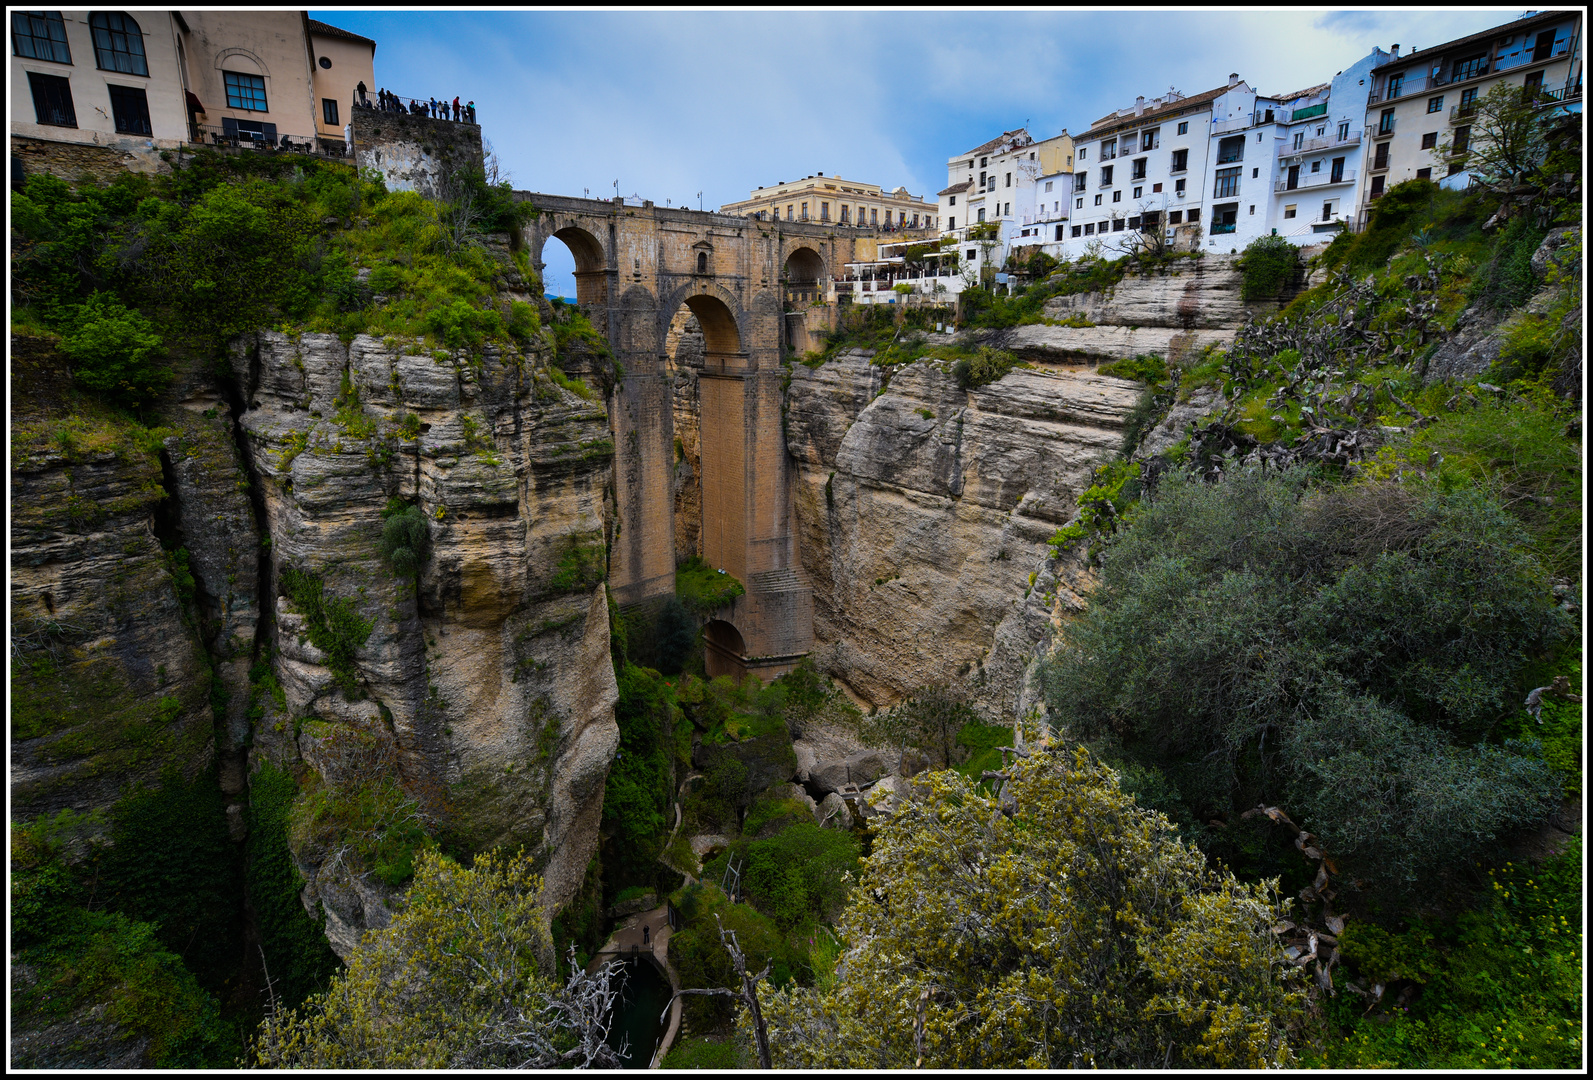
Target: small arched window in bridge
column 702, row 262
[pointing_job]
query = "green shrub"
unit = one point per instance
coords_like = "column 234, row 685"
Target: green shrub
column 1268, row 262
column 984, row 367
column 1340, row 654
column 797, row 876
column 699, row 956
column 406, row 537
column 1146, row 367
column 115, row 351
column 698, row 1052
column 703, row 589
column 638, row 792
column 582, row 566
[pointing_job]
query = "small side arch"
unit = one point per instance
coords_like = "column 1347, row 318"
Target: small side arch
column 724, row 649
column 718, row 313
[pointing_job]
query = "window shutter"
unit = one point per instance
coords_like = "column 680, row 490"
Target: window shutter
column 270, row 133
column 229, row 127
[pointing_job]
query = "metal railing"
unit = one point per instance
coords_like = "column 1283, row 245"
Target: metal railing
column 1220, row 229
column 213, row 136
column 1315, row 180
column 1325, row 142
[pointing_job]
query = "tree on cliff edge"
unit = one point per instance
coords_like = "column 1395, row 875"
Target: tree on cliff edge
column 457, row 981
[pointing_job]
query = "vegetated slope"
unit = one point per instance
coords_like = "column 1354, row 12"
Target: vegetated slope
column 374, row 599
column 1331, row 595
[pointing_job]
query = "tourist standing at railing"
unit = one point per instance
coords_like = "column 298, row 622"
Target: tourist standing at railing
column 456, row 108
column 471, row 111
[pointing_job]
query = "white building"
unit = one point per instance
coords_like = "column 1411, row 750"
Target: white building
column 995, row 186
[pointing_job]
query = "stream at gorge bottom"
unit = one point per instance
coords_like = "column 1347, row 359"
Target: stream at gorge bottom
column 644, row 995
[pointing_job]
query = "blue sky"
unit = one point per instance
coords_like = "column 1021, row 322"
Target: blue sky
column 670, row 103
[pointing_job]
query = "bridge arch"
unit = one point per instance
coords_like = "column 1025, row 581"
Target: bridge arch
column 724, row 649
column 803, row 264
column 719, row 314
column 591, row 263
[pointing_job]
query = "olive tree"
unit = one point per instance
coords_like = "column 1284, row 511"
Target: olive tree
column 1053, row 925
column 461, row 979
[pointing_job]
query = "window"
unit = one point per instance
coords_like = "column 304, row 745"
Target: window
column 1156, row 188
column 991, row 184
column 804, row 212
column 1080, row 181
column 1252, row 209
column 1097, row 200
column 1106, row 175
column 1183, row 129
column 245, row 91
column 40, row 35
column 951, row 222
column 1089, row 228
column 1180, row 160
column 1316, row 166
column 1231, row 149
column 1178, row 188
column 1454, row 167
column 1117, row 196
column 1109, row 150
column 1077, row 229
column 1380, row 160
column 953, row 201
column 1153, row 218
column 1377, row 187
column 1078, row 204
column 1227, row 183
column 1424, row 174
column 790, row 213
column 1396, row 85
column 1435, row 104
column 1008, row 181
column 1321, row 129
column 1288, row 211
column 1133, row 222
column 1299, row 139
column 981, row 213
column 1117, row 224
column 1008, row 211
column 1139, row 168
column 1150, row 140
column 1139, row 193
column 1344, row 130
column 1462, row 140
column 329, row 111
column 1059, row 229
column 873, row 215
column 1468, row 101
column 1470, row 67
column 702, row 262
column 973, row 253
column 983, row 162
column 118, row 43
column 1048, row 185
column 52, row 100
column 1429, row 140
column 824, row 211
column 981, row 181
column 1255, row 174
column 1338, row 171
column 1194, row 214
column 1327, row 211
column 1385, row 123
column 846, row 214
column 1225, row 218
column 130, row 110
column 1175, row 217
column 1084, row 152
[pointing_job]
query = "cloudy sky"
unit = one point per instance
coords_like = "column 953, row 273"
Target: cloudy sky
column 672, row 103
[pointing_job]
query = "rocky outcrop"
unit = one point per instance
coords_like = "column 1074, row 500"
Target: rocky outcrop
column 487, row 673
column 109, row 683
column 924, row 509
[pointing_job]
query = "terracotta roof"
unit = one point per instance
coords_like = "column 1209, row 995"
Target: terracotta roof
column 956, row 188
column 1168, row 108
column 985, row 148
column 1514, row 27
column 328, row 30
column 1297, row 94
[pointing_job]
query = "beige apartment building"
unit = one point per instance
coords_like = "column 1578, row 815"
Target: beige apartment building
column 830, row 200
column 106, row 90
column 1425, row 99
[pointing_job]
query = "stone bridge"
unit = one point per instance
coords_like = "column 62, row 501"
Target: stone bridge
column 641, row 273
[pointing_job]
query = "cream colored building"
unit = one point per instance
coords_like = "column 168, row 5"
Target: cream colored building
column 1423, row 100
column 830, row 200
column 342, row 61
column 135, row 83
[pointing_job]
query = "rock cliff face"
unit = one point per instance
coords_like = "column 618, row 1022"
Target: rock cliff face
column 923, row 510
column 487, row 673
column 1174, row 313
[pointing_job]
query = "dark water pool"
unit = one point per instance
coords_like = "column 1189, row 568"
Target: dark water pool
column 643, row 998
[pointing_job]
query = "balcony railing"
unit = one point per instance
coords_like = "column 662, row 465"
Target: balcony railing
column 210, row 135
column 1326, row 142
column 1315, row 180
column 1458, row 113
column 1219, row 229
column 1238, row 123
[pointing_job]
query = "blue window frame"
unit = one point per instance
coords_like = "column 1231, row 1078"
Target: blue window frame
column 245, row 91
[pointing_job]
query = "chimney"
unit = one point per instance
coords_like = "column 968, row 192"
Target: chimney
column 1233, row 79
column 1139, row 105
column 1396, row 50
